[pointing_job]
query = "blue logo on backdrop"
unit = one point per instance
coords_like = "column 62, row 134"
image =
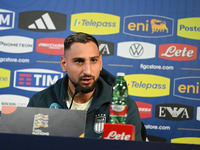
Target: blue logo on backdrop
column 35, row 79
column 6, row 19
column 187, row 87
column 149, row 26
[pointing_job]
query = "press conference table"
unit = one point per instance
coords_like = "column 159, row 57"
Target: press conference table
column 35, row 142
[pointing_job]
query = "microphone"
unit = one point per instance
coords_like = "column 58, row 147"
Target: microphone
column 55, row 106
column 77, row 90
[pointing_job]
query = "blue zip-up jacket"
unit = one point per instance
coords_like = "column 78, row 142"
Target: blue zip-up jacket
column 100, row 106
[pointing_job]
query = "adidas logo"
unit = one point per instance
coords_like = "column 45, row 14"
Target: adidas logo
column 42, row 21
column 45, row 22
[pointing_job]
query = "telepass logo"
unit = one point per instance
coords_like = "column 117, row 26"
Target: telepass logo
column 95, row 23
column 146, row 85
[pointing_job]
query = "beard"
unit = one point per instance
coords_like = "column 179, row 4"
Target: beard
column 80, row 88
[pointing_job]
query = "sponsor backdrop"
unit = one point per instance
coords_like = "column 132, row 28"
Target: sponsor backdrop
column 156, row 43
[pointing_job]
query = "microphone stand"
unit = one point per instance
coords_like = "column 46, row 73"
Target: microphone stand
column 76, row 92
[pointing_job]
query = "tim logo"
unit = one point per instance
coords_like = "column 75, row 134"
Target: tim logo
column 106, row 48
column 187, row 87
column 149, row 26
column 7, row 19
column 176, row 112
column 35, row 79
column 145, row 109
column 42, row 21
column 178, row 52
column 136, row 50
column 52, row 46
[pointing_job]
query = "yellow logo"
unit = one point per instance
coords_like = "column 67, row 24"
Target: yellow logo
column 4, row 78
column 95, row 23
column 189, row 28
column 146, row 85
column 158, row 26
column 186, row 140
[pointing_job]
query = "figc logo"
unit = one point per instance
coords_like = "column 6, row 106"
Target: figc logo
column 146, row 85
column 148, row 26
column 35, row 79
column 95, row 23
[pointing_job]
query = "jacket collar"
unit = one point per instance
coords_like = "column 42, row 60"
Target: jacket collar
column 102, row 94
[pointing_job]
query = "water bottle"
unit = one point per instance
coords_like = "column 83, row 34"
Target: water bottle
column 118, row 107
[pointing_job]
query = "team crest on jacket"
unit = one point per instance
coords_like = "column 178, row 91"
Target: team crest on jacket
column 99, row 121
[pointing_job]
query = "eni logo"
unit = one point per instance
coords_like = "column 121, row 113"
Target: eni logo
column 95, row 23
column 187, row 87
column 158, row 26
column 189, row 28
column 146, row 85
column 149, row 26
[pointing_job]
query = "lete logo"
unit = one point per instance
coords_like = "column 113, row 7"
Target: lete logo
column 35, row 79
column 53, row 46
column 178, row 52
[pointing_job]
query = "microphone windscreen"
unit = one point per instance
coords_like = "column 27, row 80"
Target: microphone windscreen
column 55, row 106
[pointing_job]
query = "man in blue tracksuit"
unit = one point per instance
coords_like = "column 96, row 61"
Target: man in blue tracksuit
column 85, row 74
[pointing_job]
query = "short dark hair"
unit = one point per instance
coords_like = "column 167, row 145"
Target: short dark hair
column 78, row 37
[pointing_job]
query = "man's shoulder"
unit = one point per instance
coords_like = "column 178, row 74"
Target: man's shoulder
column 48, row 94
column 131, row 102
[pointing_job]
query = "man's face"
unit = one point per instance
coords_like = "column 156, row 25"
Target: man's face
column 83, row 64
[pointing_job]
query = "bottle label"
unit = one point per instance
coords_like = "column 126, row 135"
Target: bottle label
column 118, row 110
